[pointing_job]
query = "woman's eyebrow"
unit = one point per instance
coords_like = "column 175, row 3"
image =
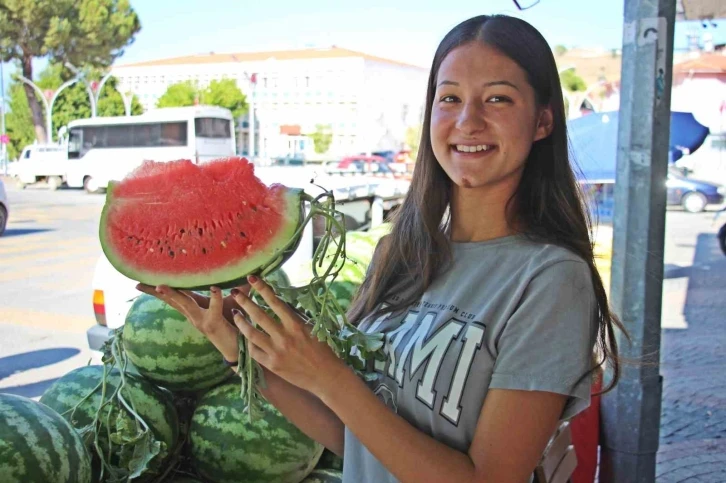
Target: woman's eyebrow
column 486, row 84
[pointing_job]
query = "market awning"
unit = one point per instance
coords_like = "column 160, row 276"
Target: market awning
column 594, row 140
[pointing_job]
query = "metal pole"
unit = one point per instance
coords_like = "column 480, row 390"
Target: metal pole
column 4, row 149
column 253, row 88
column 631, row 412
column 52, row 101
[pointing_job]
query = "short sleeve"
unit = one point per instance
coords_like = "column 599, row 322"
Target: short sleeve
column 547, row 343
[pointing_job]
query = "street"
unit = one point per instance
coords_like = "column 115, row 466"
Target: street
column 47, row 257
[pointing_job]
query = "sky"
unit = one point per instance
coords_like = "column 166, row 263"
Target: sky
column 409, row 31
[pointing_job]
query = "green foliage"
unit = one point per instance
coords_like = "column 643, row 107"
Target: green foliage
column 180, row 94
column 225, row 93
column 571, row 81
column 413, row 138
column 82, row 32
column 222, row 93
column 18, row 121
column 560, row 49
column 322, row 138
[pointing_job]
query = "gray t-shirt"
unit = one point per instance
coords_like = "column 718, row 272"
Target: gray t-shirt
column 509, row 314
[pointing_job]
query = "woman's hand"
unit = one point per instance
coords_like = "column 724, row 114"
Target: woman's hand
column 210, row 315
column 287, row 349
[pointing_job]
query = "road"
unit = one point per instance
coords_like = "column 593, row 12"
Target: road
column 47, row 257
column 48, row 254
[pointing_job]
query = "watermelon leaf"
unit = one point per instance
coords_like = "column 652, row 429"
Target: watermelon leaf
column 145, row 451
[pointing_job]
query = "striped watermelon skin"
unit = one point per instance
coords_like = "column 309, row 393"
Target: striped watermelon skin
column 324, row 476
column 226, row 448
column 152, row 404
column 38, row 446
column 168, row 350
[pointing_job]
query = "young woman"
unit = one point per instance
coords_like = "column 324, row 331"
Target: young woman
column 486, row 288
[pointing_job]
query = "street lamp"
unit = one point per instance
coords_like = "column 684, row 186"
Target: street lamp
column 49, row 97
column 252, row 81
column 82, row 77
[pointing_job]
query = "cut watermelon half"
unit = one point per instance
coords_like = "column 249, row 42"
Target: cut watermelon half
column 193, row 226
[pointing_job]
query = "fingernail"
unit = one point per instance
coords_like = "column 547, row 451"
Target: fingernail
column 252, row 279
column 236, row 312
column 213, row 289
column 159, row 290
column 234, row 292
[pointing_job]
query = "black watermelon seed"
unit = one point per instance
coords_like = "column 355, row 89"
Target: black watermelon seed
column 201, row 232
column 242, row 234
column 204, row 251
column 182, row 231
column 171, row 253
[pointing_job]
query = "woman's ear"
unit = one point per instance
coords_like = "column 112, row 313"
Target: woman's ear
column 545, row 123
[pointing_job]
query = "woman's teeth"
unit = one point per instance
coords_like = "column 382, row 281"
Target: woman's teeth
column 473, row 149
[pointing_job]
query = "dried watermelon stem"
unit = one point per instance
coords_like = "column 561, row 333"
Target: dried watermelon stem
column 314, row 301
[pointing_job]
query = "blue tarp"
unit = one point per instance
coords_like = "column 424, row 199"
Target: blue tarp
column 594, row 142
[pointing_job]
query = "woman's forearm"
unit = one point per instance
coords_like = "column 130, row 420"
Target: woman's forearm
column 305, row 411
column 409, row 454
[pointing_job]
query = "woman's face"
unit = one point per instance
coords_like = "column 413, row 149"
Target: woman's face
column 484, row 118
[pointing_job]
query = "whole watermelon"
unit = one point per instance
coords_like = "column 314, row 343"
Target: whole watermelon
column 324, row 476
column 225, row 447
column 167, row 349
column 38, row 446
column 151, row 403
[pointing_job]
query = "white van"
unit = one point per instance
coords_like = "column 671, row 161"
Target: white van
column 102, row 149
column 42, row 163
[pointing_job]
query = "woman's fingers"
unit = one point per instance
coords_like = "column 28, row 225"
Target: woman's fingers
column 216, row 303
column 254, row 336
column 257, row 315
column 287, row 315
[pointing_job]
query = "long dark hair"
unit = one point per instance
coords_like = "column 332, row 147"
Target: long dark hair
column 549, row 202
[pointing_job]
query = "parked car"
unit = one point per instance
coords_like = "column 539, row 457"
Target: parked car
column 4, row 210
column 694, row 195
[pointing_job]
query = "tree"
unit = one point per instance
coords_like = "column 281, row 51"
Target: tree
column 560, row 49
column 71, row 104
column 81, row 32
column 322, row 138
column 225, row 93
column 571, row 81
column 413, row 138
column 222, row 93
column 179, row 95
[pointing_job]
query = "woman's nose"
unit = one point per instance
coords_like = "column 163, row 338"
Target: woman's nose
column 471, row 118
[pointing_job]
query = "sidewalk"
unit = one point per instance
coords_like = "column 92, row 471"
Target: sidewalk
column 693, row 361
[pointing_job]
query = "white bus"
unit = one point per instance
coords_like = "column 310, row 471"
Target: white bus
column 102, row 149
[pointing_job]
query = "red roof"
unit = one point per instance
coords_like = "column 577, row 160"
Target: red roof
column 705, row 64
column 214, row 58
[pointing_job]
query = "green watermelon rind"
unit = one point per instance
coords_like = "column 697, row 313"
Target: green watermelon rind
column 224, row 446
column 167, row 349
column 38, row 446
column 226, row 277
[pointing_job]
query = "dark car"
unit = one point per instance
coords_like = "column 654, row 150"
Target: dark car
column 693, row 195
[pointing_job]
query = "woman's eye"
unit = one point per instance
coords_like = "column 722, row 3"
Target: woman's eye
column 498, row 99
column 449, row 99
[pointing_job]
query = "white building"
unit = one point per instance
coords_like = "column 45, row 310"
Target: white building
column 368, row 101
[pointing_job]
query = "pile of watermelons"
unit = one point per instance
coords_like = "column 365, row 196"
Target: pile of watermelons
column 163, row 408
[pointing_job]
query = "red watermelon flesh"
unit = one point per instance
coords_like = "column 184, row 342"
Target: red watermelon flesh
column 190, row 225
